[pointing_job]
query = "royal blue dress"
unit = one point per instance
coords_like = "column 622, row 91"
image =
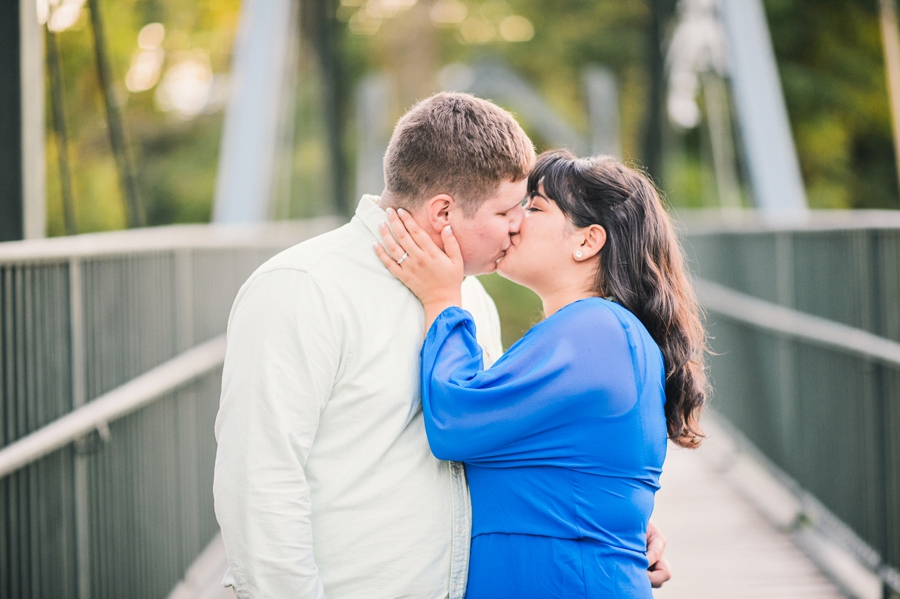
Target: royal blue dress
column 563, row 440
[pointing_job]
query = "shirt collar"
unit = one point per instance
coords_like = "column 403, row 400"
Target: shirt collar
column 370, row 214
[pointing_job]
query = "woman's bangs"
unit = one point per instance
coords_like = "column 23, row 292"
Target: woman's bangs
column 550, row 170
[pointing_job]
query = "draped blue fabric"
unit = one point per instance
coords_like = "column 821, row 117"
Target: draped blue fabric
column 563, row 439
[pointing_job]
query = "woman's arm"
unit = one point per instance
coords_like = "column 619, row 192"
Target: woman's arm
column 574, row 367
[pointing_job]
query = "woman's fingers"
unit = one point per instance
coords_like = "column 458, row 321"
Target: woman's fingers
column 451, row 246
column 659, row 570
column 659, row 573
column 387, row 260
column 394, row 249
column 405, row 240
column 421, row 238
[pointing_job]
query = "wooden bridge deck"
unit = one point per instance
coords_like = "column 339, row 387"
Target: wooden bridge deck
column 720, row 543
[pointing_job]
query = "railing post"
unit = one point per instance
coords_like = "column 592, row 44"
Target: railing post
column 79, row 397
column 787, row 377
column 184, row 298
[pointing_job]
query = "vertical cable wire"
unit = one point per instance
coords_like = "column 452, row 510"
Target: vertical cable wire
column 116, row 130
column 60, row 131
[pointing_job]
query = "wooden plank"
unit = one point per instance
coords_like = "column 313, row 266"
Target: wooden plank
column 720, row 545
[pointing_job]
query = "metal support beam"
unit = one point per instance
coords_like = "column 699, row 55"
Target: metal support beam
column 250, row 136
column 373, row 133
column 891, row 43
column 21, row 122
column 34, row 169
column 769, row 143
column 602, row 93
column 10, row 124
column 495, row 80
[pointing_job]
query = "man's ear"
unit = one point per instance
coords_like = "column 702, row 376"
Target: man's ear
column 592, row 239
column 437, row 211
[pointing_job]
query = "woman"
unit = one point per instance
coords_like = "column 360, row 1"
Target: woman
column 564, row 437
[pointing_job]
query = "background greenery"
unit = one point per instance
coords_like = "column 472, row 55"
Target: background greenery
column 829, row 54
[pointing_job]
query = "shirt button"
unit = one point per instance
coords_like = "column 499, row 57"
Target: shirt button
column 459, row 529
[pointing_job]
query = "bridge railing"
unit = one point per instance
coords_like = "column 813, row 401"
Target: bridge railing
column 805, row 325
column 110, row 353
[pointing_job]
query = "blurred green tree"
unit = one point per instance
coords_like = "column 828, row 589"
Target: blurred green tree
column 829, row 55
column 832, row 69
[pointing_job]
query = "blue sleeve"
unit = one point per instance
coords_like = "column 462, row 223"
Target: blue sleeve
column 501, row 414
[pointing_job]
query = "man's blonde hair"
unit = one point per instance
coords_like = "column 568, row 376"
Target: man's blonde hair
column 456, row 144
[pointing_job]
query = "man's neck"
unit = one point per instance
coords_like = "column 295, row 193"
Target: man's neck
column 387, row 201
column 420, row 216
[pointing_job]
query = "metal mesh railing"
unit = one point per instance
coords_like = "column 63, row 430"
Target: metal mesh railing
column 121, row 511
column 822, row 402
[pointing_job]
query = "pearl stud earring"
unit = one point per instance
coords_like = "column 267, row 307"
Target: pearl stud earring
column 578, row 254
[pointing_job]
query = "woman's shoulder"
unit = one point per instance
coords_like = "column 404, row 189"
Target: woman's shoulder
column 589, row 319
column 604, row 317
column 594, row 310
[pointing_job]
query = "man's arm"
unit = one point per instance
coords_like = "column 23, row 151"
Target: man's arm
column 282, row 359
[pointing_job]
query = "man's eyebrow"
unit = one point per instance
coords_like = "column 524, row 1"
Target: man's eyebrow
column 513, row 207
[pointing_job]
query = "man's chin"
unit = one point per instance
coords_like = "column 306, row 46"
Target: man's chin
column 482, row 269
column 487, row 269
column 505, row 275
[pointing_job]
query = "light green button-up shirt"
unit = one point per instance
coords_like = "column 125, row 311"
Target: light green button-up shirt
column 324, row 481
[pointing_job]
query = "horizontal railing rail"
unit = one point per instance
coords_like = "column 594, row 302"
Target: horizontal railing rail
column 109, row 407
column 786, row 321
column 277, row 235
column 746, row 221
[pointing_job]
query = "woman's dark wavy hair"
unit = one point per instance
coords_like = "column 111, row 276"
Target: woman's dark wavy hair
column 641, row 267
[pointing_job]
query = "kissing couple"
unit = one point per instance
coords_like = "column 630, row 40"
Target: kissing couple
column 356, row 460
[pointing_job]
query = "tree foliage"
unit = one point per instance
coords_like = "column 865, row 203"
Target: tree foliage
column 832, row 69
column 829, row 54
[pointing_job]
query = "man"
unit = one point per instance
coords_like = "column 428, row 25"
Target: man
column 324, row 481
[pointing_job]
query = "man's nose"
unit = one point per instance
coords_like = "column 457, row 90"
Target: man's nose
column 515, row 222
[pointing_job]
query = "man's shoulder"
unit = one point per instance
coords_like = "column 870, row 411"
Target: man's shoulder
column 298, row 274
column 473, row 289
column 308, row 256
column 475, row 296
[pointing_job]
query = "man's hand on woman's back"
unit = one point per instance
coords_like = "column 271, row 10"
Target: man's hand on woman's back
column 659, row 571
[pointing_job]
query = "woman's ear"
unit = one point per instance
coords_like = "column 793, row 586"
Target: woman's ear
column 437, row 211
column 592, row 239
